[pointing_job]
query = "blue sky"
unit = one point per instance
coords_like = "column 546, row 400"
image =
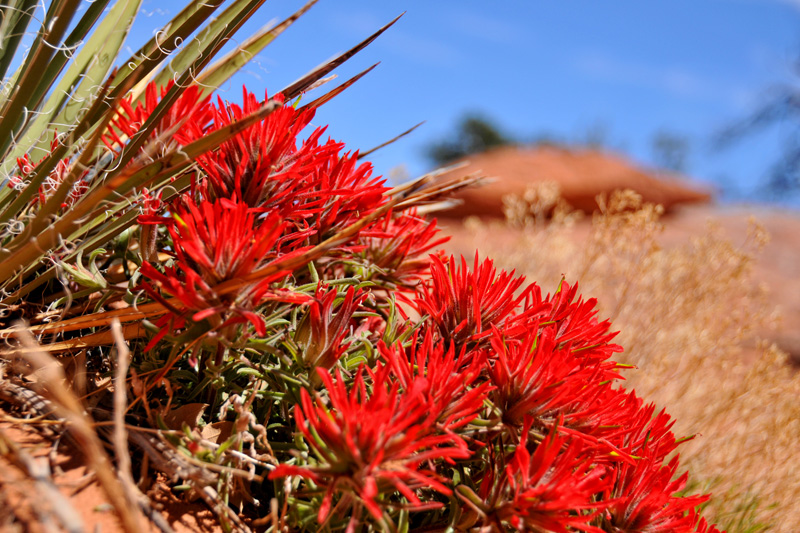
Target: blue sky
column 627, row 67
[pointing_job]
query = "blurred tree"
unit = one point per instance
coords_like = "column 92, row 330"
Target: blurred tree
column 474, row 134
column 670, row 151
column 597, row 136
column 781, row 107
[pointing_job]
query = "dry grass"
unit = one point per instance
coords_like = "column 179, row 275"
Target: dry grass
column 689, row 318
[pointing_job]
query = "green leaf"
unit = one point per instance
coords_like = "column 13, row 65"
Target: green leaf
column 219, row 29
column 73, row 93
column 48, row 40
column 15, row 18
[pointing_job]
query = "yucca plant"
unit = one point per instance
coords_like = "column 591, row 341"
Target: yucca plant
column 264, row 322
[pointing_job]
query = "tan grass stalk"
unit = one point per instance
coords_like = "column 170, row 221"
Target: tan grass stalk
column 80, row 425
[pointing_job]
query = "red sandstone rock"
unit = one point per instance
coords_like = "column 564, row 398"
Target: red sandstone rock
column 581, row 175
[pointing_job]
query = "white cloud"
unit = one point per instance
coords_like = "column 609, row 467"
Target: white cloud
column 794, row 3
column 674, row 80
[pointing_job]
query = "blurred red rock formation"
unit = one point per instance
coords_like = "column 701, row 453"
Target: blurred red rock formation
column 581, row 174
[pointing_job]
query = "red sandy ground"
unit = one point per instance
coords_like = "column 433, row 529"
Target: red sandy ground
column 85, row 495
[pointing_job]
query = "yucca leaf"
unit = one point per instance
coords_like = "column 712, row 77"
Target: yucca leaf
column 337, row 91
column 226, row 24
column 302, row 85
column 15, row 18
column 164, row 42
column 110, row 230
column 102, row 338
column 94, row 320
column 49, row 39
column 46, row 166
column 218, row 73
column 53, row 204
column 65, row 54
column 390, row 141
column 75, row 90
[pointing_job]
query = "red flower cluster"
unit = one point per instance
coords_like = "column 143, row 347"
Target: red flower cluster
column 552, row 489
column 213, row 243
column 499, row 402
column 517, row 394
column 446, row 380
column 465, row 305
column 370, row 444
column 260, row 197
column 51, row 182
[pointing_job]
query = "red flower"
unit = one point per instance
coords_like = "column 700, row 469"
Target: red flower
column 446, row 381
column 52, row 182
column 371, row 445
column 320, row 333
column 191, row 107
column 261, row 166
column 213, row 243
column 576, row 323
column 340, row 191
column 465, row 305
column 540, row 378
column 552, row 489
column 644, row 498
column 396, row 255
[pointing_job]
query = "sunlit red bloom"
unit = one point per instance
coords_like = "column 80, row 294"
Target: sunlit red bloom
column 52, row 182
column 449, row 380
column 314, row 187
column 645, row 497
column 552, row 489
column 576, row 324
column 320, row 334
column 191, row 108
column 543, row 379
column 341, row 190
column 645, row 494
column 372, row 444
column 216, row 242
column 399, row 256
column 262, row 165
column 646, row 432
column 464, row 304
